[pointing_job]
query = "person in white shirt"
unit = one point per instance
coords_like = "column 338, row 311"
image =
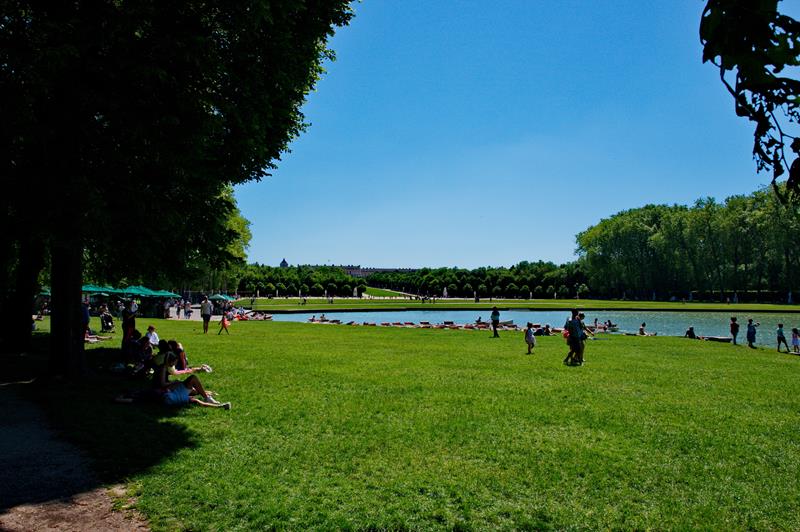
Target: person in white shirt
column 152, row 336
column 206, row 309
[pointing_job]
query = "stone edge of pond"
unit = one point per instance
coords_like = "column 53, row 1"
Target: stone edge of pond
column 532, row 309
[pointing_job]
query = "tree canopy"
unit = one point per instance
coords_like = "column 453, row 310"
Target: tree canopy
column 756, row 44
column 124, row 122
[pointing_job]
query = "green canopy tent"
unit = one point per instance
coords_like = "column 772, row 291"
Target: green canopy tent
column 91, row 289
column 111, row 290
column 218, row 297
column 138, row 290
column 165, row 293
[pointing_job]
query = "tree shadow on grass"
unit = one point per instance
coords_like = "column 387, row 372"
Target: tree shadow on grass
column 61, row 438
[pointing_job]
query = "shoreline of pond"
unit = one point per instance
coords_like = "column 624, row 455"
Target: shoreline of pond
column 447, row 307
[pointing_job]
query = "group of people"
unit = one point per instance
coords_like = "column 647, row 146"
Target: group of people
column 160, row 360
column 750, row 335
column 207, row 309
column 780, row 335
column 575, row 332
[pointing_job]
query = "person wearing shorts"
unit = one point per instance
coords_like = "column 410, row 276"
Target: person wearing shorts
column 179, row 393
column 206, row 307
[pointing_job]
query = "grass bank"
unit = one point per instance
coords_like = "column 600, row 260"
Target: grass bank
column 355, row 427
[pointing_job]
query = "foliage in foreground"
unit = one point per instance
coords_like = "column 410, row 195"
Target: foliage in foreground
column 338, row 427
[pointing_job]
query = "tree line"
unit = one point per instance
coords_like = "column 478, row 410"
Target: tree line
column 745, row 247
column 526, row 279
column 298, row 280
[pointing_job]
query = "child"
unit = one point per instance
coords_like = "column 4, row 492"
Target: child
column 223, row 323
column 530, row 339
column 795, row 340
column 781, row 338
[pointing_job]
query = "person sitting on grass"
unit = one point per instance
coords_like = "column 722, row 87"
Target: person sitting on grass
column 152, row 336
column 179, row 393
column 690, row 333
column 182, row 365
column 93, row 338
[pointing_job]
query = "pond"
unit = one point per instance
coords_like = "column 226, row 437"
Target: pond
column 663, row 323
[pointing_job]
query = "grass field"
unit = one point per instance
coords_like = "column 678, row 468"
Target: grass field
column 353, row 427
column 381, row 292
column 315, row 304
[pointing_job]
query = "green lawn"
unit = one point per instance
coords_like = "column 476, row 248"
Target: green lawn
column 316, row 304
column 380, row 292
column 355, row 427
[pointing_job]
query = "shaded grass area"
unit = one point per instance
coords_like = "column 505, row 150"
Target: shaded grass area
column 316, row 304
column 352, row 427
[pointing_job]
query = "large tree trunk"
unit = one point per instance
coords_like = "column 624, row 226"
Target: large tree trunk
column 67, row 355
column 7, row 242
column 19, row 319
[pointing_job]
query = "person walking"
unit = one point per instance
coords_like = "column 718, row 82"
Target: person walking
column 734, row 329
column 751, row 333
column 781, row 338
column 206, row 308
column 495, row 322
column 223, row 323
column 576, row 332
column 530, row 338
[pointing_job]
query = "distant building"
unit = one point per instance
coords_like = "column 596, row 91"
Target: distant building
column 284, row 264
column 358, row 271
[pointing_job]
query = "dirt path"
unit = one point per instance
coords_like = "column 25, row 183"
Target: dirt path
column 46, row 483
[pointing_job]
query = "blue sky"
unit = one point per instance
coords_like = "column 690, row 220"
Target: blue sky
column 473, row 133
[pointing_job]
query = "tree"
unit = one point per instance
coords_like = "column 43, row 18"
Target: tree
column 512, row 290
column 755, row 42
column 452, row 289
column 113, row 104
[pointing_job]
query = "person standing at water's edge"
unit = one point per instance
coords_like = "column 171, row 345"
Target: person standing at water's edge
column 751, row 333
column 734, row 329
column 495, row 322
column 781, row 338
column 206, row 308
